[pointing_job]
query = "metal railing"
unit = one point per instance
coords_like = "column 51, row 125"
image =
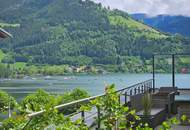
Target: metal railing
column 87, row 117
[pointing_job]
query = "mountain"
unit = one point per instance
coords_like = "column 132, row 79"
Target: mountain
column 79, row 32
column 166, row 23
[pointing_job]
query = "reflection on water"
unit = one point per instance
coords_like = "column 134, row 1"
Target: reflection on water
column 94, row 84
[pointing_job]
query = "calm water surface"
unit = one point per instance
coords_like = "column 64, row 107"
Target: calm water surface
column 94, row 84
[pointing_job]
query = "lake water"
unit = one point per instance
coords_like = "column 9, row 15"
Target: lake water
column 94, row 84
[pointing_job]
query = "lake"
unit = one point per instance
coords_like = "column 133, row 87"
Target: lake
column 94, row 84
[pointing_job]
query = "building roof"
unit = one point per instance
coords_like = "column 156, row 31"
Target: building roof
column 4, row 34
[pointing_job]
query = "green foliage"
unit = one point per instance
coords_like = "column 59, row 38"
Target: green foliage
column 9, row 25
column 52, row 70
column 113, row 114
column 184, row 118
column 14, row 123
column 69, row 125
column 185, row 60
column 130, row 23
column 22, row 68
column 2, row 55
column 5, row 100
column 167, row 125
column 37, row 101
column 8, row 59
column 41, row 100
column 75, row 94
column 77, row 32
column 6, row 71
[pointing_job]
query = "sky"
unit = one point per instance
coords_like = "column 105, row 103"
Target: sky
column 150, row 7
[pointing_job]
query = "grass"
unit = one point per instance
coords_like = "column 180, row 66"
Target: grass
column 16, row 65
column 129, row 22
column 185, row 60
column 147, row 31
column 9, row 25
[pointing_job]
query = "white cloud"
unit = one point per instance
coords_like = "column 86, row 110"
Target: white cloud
column 150, row 7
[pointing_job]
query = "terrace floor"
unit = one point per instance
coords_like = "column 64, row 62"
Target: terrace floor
column 180, row 127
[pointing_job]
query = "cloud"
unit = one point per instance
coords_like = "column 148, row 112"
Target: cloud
column 150, row 7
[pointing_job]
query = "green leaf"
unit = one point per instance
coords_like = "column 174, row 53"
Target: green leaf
column 183, row 117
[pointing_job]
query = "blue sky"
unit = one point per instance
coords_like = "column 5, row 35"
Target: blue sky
column 150, row 7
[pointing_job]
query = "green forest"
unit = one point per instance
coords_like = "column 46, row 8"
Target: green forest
column 78, row 33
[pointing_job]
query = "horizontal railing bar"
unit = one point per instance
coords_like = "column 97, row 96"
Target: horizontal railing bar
column 134, row 85
column 168, row 54
column 85, row 99
column 188, row 89
column 72, row 114
column 65, row 105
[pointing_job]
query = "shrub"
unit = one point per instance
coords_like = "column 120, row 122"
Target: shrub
column 5, row 101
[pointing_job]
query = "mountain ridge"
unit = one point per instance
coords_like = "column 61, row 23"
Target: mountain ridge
column 79, row 32
column 166, row 23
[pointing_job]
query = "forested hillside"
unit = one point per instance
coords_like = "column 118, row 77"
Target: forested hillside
column 166, row 23
column 78, row 32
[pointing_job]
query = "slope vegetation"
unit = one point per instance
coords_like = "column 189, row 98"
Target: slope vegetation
column 79, row 32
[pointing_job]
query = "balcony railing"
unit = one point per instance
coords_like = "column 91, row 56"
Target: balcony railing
column 88, row 117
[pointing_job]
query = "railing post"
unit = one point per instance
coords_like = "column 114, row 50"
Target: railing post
column 145, row 88
column 131, row 92
column 99, row 119
column 142, row 89
column 125, row 97
column 139, row 89
column 119, row 98
column 83, row 116
column 135, row 91
column 27, row 124
column 173, row 70
column 151, row 85
column 153, row 72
